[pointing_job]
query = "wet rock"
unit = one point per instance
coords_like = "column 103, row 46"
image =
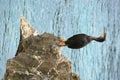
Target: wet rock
column 39, row 58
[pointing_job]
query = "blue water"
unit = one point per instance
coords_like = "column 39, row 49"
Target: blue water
column 96, row 61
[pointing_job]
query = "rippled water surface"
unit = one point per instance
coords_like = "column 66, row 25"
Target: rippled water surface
column 96, row 61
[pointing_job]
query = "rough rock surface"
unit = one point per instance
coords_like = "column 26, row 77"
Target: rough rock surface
column 39, row 58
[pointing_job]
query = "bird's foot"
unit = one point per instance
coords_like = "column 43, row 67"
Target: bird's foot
column 61, row 42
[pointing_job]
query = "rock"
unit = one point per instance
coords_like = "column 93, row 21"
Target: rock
column 39, row 58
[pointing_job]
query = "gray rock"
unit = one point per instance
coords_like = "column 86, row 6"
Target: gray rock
column 39, row 58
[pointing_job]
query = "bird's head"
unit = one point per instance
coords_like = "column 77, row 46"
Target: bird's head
column 103, row 36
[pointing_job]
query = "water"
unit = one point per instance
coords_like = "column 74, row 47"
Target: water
column 96, row 61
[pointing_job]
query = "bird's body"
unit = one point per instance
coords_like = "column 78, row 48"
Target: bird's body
column 80, row 40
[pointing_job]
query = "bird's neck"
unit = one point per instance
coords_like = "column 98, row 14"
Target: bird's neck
column 99, row 39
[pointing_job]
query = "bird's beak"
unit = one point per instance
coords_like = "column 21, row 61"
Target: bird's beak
column 103, row 34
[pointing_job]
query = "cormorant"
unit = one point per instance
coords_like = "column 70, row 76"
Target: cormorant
column 80, row 40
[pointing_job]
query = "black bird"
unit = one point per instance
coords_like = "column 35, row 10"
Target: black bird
column 81, row 40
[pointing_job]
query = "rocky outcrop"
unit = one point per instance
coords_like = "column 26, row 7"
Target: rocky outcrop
column 39, row 58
